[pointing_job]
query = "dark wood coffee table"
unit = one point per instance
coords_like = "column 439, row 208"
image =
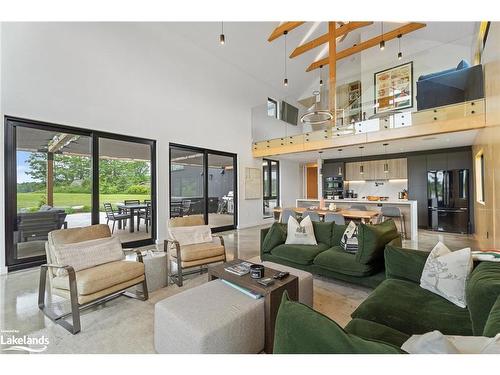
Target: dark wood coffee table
column 271, row 294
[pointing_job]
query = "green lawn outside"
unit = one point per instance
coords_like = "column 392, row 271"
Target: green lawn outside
column 32, row 200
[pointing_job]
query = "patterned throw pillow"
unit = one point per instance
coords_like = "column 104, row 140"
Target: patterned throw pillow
column 445, row 273
column 349, row 241
column 87, row 254
column 300, row 234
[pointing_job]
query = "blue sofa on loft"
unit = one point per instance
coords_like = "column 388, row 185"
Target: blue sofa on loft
column 455, row 85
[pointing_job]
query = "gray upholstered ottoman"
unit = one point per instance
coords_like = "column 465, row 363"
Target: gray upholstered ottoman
column 211, row 318
column 305, row 281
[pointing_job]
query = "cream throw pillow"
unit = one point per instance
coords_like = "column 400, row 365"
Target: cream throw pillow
column 445, row 273
column 436, row 343
column 191, row 235
column 87, row 254
column 300, row 234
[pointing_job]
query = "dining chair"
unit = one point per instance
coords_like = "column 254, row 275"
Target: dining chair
column 313, row 215
column 285, row 215
column 336, row 218
column 392, row 212
column 114, row 217
column 185, row 207
column 358, row 207
column 146, row 216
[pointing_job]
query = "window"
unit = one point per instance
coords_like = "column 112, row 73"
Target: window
column 203, row 183
column 272, row 108
column 480, row 173
column 271, row 177
column 65, row 177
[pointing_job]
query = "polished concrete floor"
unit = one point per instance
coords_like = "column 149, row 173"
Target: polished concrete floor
column 104, row 327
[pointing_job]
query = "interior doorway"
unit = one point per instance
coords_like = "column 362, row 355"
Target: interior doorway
column 312, row 181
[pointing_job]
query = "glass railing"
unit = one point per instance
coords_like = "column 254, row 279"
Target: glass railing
column 431, row 85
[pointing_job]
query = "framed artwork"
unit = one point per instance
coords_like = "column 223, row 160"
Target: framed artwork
column 394, row 88
column 253, row 183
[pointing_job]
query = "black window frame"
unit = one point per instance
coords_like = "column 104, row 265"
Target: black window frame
column 276, row 107
column 10, row 161
column 267, row 195
column 206, row 152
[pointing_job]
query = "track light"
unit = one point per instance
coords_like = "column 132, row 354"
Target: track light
column 222, row 38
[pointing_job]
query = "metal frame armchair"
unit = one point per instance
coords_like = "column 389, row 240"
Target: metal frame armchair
column 191, row 256
column 121, row 274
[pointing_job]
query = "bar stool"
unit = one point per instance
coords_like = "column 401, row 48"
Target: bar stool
column 313, row 215
column 392, row 212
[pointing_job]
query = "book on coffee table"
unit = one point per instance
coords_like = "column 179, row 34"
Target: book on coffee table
column 239, row 269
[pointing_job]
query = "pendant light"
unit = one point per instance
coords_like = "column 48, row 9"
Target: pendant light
column 339, row 170
column 222, row 37
column 285, row 80
column 400, row 54
column 320, row 75
column 382, row 42
column 386, row 164
column 361, row 167
column 318, row 113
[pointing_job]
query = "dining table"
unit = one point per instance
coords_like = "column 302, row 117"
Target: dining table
column 364, row 216
column 133, row 209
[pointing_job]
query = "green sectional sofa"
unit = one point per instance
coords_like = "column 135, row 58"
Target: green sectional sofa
column 327, row 258
column 399, row 307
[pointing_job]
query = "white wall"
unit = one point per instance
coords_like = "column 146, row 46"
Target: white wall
column 3, row 269
column 290, row 182
column 135, row 79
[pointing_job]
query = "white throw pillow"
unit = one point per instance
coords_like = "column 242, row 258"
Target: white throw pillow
column 436, row 343
column 191, row 235
column 300, row 234
column 445, row 273
column 87, row 254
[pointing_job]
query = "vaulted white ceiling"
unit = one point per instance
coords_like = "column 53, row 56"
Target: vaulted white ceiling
column 247, row 47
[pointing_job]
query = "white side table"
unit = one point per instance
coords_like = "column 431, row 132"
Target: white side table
column 155, row 264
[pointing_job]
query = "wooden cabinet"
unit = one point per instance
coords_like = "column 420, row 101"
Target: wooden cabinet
column 352, row 171
column 397, row 169
column 374, row 170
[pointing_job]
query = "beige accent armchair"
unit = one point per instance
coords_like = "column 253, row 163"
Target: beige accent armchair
column 195, row 255
column 89, row 286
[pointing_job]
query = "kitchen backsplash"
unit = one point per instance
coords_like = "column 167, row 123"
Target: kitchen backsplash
column 384, row 189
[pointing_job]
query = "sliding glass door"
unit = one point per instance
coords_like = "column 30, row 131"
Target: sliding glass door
column 203, row 182
column 53, row 177
column 125, row 185
column 271, row 189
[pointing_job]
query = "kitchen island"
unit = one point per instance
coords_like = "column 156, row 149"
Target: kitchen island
column 407, row 207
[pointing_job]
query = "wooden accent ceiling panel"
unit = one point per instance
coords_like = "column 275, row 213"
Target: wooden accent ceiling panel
column 286, row 26
column 342, row 30
column 408, row 28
